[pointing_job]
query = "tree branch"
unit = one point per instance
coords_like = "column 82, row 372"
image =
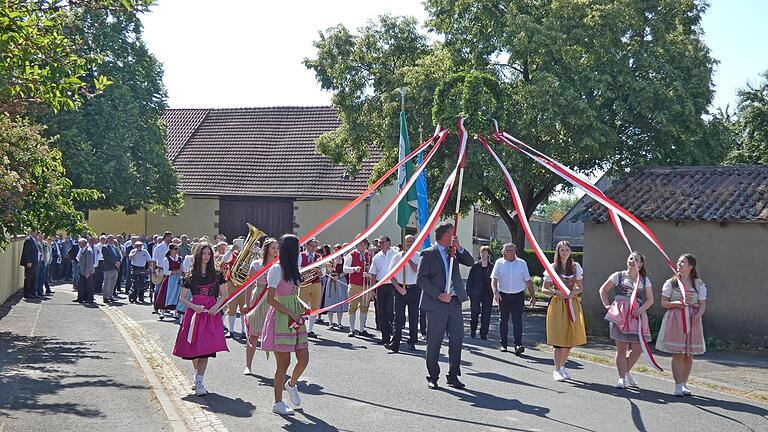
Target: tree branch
column 509, row 219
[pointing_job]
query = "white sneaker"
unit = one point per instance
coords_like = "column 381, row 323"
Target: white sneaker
column 247, row 371
column 620, row 384
column 685, row 390
column 200, row 389
column 281, row 408
column 294, row 393
column 557, row 375
column 194, row 382
column 678, row 390
column 564, row 373
column 631, row 381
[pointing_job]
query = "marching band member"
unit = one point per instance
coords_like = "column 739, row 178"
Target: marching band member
column 336, row 290
column 356, row 264
column 311, row 291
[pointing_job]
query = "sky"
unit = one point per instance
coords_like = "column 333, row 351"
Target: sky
column 246, row 53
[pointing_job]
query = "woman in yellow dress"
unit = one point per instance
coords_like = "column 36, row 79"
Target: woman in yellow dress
column 562, row 333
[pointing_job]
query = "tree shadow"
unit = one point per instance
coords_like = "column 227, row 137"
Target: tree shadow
column 335, row 344
column 30, row 370
column 221, row 404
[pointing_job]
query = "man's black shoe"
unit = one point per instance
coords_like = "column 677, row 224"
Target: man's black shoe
column 484, row 337
column 519, row 350
column 412, row 347
column 455, row 383
column 365, row 333
column 503, row 348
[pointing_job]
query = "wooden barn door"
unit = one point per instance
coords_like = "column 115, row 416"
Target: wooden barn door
column 273, row 216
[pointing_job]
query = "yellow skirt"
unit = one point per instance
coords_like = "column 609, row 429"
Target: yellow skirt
column 561, row 332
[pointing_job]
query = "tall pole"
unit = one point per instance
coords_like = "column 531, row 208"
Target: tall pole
column 462, row 143
column 402, row 229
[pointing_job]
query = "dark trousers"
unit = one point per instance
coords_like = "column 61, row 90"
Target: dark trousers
column 85, row 289
column 423, row 322
column 137, row 286
column 511, row 305
column 446, row 317
column 481, row 308
column 385, row 308
column 30, row 281
column 410, row 301
column 98, row 277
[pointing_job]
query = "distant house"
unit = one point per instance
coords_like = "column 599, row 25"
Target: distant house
column 720, row 214
column 571, row 227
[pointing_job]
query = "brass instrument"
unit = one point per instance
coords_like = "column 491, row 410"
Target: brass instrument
column 238, row 274
column 308, row 276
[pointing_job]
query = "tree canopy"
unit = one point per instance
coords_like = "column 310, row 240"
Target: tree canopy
column 750, row 127
column 596, row 85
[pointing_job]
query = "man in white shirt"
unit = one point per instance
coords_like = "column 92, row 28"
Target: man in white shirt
column 98, row 263
column 139, row 258
column 509, row 279
column 385, row 294
column 407, row 293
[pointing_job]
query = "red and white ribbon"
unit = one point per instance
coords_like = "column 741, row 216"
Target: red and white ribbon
column 440, row 135
column 462, row 145
column 192, row 328
column 433, row 218
column 591, row 190
column 521, row 216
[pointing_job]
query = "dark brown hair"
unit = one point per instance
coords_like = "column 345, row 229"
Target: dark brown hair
column 570, row 267
column 197, row 266
column 265, row 250
column 694, row 274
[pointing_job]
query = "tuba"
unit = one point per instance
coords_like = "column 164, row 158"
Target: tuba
column 239, row 271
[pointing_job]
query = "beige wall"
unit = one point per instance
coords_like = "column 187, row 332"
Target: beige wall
column 197, row 218
column 12, row 276
column 731, row 262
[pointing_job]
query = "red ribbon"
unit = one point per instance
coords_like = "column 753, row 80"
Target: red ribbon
column 422, row 235
column 614, row 211
column 521, row 216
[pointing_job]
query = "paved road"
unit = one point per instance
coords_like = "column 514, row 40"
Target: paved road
column 66, row 367
column 355, row 385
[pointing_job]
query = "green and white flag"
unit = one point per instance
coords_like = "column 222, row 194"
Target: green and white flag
column 406, row 207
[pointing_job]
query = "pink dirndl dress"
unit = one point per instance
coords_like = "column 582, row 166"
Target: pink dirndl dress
column 201, row 335
column 671, row 338
column 278, row 335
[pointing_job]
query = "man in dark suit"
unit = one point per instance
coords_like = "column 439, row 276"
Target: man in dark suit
column 442, row 303
column 30, row 260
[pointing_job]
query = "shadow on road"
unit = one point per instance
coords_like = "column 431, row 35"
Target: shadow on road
column 221, row 404
column 31, row 369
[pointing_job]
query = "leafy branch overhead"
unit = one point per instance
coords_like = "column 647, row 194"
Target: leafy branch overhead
column 606, row 85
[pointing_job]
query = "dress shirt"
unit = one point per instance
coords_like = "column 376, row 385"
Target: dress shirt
column 511, row 275
column 410, row 273
column 381, row 262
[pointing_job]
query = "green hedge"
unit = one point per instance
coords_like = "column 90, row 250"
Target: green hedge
column 534, row 266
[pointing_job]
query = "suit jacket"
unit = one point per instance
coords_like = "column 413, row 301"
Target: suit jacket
column 86, row 262
column 479, row 281
column 29, row 252
column 430, row 277
column 110, row 257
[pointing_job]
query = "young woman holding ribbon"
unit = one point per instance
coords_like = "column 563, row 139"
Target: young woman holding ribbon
column 257, row 316
column 279, row 336
column 672, row 339
column 562, row 333
column 624, row 319
column 201, row 334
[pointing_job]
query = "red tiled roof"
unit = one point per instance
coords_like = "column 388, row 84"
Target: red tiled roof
column 266, row 152
column 736, row 193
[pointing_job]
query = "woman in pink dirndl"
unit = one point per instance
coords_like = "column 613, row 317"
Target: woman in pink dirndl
column 201, row 334
column 672, row 339
column 279, row 335
column 623, row 320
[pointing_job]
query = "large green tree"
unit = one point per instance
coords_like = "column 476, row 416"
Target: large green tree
column 41, row 69
column 115, row 142
column 597, row 85
column 750, row 127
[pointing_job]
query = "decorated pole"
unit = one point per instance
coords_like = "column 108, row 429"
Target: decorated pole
column 462, row 145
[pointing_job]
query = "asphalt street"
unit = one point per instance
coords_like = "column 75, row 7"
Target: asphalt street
column 356, row 385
